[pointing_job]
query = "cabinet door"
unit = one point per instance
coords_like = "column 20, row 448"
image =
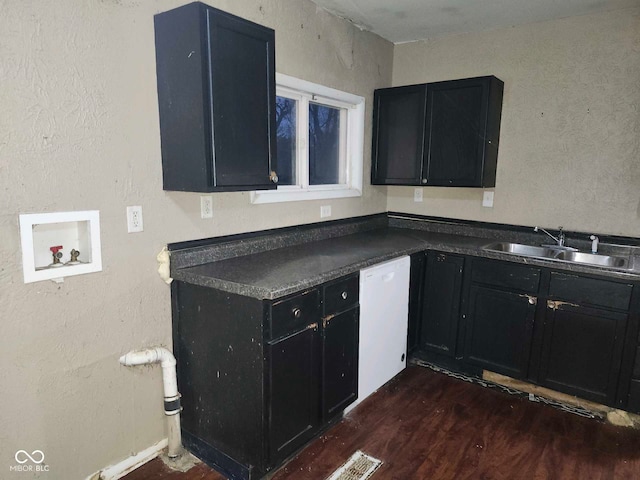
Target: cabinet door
column 340, row 362
column 294, row 391
column 242, row 66
column 398, row 135
column 582, row 351
column 441, row 302
column 216, row 94
column 456, row 122
column 499, row 330
column 416, row 290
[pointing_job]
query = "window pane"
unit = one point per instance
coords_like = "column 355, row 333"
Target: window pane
column 286, row 140
column 324, row 145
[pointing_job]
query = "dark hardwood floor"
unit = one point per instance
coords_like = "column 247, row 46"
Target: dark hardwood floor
column 427, row 426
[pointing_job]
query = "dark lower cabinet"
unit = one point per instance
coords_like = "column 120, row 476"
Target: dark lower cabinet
column 294, row 363
column 340, row 367
column 441, row 302
column 499, row 330
column 260, row 378
column 416, row 293
column 582, row 351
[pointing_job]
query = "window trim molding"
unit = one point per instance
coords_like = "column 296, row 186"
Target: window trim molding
column 355, row 106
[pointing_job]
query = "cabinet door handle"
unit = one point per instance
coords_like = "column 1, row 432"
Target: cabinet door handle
column 344, row 295
column 555, row 304
column 297, row 313
column 531, row 299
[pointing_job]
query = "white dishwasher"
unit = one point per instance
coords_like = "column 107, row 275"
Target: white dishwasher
column 384, row 316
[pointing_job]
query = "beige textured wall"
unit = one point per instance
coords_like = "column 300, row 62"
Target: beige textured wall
column 79, row 130
column 570, row 138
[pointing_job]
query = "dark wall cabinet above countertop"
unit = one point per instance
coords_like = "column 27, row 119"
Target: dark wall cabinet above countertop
column 437, row 134
column 216, row 95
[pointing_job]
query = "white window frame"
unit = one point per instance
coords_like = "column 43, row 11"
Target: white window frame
column 352, row 142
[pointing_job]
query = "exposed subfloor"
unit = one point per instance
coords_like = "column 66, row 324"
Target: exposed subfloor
column 425, row 425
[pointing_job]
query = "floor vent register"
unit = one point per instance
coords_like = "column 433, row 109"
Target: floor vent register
column 359, row 467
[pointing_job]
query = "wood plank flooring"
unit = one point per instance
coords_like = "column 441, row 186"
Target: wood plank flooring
column 427, row 426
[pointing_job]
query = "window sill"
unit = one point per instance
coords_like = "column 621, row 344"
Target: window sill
column 297, row 195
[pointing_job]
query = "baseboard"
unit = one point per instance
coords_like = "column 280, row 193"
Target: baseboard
column 120, row 469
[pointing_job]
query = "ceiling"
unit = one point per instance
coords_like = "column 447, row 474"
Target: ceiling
column 409, row 20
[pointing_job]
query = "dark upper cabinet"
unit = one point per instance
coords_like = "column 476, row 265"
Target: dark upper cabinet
column 216, row 94
column 441, row 303
column 398, row 132
column 438, row 134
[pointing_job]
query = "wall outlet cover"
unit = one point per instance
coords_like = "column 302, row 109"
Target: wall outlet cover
column 487, row 199
column 206, row 206
column 134, row 219
column 325, row 211
column 417, row 195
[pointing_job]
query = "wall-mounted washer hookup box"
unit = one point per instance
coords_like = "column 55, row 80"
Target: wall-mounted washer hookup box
column 42, row 235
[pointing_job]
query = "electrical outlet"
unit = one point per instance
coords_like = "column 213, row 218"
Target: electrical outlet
column 206, row 206
column 134, row 219
column 325, row 211
column 417, row 195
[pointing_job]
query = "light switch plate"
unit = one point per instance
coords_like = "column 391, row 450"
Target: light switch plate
column 417, row 195
column 487, row 199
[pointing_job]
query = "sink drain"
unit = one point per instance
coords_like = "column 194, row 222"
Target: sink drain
column 359, row 467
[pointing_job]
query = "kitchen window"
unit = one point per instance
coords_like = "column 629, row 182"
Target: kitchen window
column 320, row 134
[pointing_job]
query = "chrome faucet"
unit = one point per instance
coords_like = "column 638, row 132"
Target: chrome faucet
column 559, row 239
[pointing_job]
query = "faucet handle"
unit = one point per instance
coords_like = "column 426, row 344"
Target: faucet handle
column 594, row 243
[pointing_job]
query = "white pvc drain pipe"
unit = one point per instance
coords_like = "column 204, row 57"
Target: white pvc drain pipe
column 172, row 406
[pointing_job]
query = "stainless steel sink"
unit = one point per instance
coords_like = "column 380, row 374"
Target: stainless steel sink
column 594, row 259
column 553, row 253
column 520, row 249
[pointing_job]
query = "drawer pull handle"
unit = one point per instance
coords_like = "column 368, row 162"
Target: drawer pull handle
column 344, row 295
column 297, row 313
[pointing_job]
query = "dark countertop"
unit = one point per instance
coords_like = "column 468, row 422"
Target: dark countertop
column 282, row 271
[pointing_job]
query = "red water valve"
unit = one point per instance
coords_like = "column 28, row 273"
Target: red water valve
column 55, row 250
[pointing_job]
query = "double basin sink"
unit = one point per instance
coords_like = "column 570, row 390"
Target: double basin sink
column 561, row 254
